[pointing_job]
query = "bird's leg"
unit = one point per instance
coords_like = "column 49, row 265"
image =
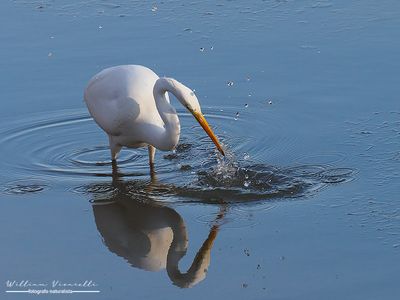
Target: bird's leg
column 114, row 147
column 152, row 152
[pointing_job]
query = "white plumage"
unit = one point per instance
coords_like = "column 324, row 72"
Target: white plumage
column 131, row 104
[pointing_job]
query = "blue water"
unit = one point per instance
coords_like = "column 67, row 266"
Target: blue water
column 304, row 96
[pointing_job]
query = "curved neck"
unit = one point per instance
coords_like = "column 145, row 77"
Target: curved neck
column 198, row 270
column 167, row 112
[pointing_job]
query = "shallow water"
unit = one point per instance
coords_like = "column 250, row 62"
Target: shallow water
column 304, row 97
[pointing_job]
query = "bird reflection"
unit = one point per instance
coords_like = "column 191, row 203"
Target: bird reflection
column 150, row 236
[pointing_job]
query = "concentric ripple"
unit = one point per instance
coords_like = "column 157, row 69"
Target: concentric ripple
column 24, row 186
column 67, row 146
column 63, row 146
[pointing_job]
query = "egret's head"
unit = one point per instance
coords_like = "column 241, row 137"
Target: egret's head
column 193, row 106
column 188, row 99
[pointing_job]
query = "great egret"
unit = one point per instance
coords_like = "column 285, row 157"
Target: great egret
column 131, row 104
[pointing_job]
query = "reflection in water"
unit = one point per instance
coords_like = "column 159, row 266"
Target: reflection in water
column 150, row 236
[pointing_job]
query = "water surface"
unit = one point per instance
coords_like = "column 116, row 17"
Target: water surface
column 303, row 95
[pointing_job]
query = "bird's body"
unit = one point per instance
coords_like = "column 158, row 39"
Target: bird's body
column 131, row 104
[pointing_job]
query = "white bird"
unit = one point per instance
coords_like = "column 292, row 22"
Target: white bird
column 131, row 104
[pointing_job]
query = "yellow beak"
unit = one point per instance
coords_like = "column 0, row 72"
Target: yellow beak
column 203, row 122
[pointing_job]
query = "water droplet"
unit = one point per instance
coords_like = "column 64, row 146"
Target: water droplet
column 246, row 156
column 270, row 102
column 246, row 105
column 229, row 83
column 50, row 54
column 100, row 27
column 248, row 78
column 154, row 8
column 246, row 183
column 237, row 116
column 201, row 49
column 212, row 48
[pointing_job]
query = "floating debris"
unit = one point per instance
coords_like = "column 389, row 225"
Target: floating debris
column 154, row 8
column 244, row 285
column 229, row 83
column 246, row 156
column 247, row 252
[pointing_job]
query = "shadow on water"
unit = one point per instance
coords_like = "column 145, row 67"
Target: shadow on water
column 148, row 235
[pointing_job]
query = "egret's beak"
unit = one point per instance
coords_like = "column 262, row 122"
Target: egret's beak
column 203, row 122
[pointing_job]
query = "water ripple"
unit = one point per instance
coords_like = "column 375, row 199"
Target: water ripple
column 24, row 186
column 63, row 148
